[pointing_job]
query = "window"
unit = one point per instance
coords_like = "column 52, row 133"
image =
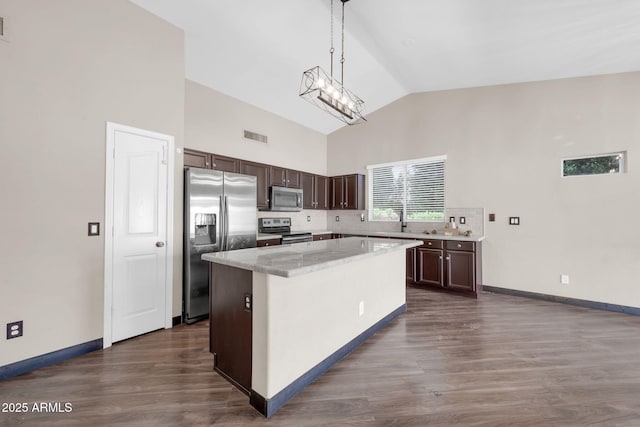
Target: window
column 594, row 165
column 413, row 188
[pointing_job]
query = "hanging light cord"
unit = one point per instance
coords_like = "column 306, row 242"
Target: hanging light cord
column 332, row 49
column 342, row 58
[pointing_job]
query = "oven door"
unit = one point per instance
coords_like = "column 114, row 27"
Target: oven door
column 296, row 238
column 284, row 199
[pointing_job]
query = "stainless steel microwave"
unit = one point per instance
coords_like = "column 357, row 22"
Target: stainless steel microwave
column 285, row 199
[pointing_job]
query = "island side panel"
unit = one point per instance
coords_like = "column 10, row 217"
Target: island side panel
column 231, row 324
column 300, row 321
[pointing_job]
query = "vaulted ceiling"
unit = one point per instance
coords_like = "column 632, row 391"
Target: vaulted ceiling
column 256, row 50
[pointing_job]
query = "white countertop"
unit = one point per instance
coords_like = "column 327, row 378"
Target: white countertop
column 416, row 235
column 395, row 234
column 302, row 258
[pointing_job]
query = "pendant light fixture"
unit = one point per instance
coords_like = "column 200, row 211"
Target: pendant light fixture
column 327, row 92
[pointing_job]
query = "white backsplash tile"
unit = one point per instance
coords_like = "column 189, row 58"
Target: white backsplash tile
column 350, row 221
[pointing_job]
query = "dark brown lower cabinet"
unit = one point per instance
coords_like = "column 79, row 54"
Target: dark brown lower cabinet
column 267, row 242
column 231, row 324
column 449, row 265
column 430, row 267
column 411, row 265
column 326, row 236
column 460, row 269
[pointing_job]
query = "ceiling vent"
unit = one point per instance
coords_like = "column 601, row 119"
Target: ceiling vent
column 255, row 136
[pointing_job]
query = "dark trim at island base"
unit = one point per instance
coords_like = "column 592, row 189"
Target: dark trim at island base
column 268, row 407
column 177, row 320
column 565, row 300
column 28, row 365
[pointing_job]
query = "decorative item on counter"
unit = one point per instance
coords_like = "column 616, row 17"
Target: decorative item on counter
column 450, row 229
column 467, row 233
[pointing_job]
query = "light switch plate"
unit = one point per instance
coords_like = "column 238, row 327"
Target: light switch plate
column 463, row 220
column 94, row 229
column 514, row 220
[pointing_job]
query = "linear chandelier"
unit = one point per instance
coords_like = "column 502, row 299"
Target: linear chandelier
column 328, row 93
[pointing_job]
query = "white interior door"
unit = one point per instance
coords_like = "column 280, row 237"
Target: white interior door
column 139, row 250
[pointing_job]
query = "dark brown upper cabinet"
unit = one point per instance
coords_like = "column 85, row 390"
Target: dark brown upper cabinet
column 197, row 159
column 200, row 159
column 285, row 177
column 347, row 192
column 225, row 164
column 315, row 191
column 261, row 172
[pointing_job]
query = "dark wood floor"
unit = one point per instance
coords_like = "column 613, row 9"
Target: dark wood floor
column 495, row 361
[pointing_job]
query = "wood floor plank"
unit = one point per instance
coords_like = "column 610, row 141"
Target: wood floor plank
column 495, row 361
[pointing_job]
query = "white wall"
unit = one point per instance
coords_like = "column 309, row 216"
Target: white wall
column 504, row 146
column 71, row 66
column 215, row 123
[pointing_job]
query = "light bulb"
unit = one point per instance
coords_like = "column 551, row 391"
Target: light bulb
column 320, row 82
column 344, row 99
column 330, row 89
column 336, row 95
column 351, row 105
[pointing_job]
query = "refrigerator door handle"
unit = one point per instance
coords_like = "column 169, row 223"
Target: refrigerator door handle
column 221, row 225
column 226, row 224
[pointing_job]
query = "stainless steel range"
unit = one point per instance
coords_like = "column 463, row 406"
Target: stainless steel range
column 282, row 226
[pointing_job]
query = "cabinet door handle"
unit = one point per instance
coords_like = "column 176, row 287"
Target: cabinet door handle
column 459, row 245
column 448, row 271
column 441, row 271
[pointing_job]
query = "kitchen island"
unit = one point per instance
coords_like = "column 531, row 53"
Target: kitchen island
column 283, row 315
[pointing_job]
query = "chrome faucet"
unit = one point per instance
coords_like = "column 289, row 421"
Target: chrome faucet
column 403, row 223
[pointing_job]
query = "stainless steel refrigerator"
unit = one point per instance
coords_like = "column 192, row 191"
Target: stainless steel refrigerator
column 220, row 214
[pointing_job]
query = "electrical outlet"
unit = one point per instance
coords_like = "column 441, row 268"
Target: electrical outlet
column 362, row 217
column 308, row 218
column 564, row 279
column 14, row 329
column 463, row 220
column 514, row 220
column 337, row 218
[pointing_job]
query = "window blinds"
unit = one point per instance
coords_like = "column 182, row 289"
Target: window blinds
column 415, row 188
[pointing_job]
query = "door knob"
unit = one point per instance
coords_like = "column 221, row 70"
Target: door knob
column 159, row 244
